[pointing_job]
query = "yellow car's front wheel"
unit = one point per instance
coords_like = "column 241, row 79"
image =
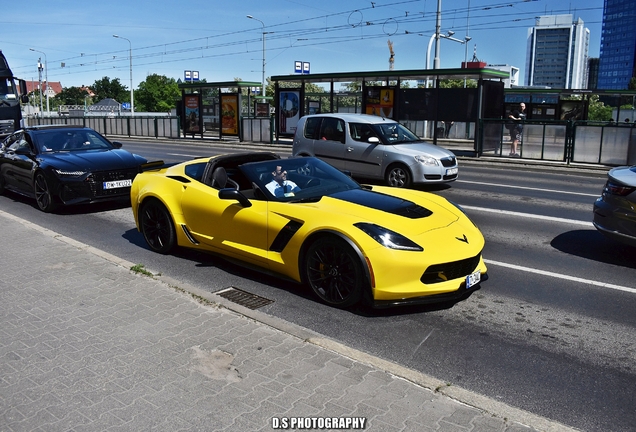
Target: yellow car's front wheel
column 334, row 272
column 157, row 226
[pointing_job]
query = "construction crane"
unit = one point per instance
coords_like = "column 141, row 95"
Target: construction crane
column 392, row 57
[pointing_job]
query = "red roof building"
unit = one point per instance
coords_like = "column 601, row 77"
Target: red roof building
column 53, row 87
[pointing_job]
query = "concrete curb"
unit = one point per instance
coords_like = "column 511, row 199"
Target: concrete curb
column 480, row 402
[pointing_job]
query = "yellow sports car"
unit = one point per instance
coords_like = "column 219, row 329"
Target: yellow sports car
column 303, row 219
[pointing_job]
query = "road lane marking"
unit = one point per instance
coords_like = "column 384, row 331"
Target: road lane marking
column 560, row 276
column 530, row 215
column 530, row 188
column 185, row 155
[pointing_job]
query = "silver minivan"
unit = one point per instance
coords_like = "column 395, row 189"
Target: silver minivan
column 373, row 147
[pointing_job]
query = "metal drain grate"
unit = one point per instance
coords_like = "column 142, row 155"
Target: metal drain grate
column 243, row 298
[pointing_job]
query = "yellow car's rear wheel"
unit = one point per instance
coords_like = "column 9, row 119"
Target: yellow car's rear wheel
column 157, row 226
column 334, row 272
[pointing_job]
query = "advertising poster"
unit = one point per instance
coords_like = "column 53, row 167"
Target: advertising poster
column 261, row 109
column 289, row 111
column 314, row 107
column 379, row 101
column 229, row 114
column 192, row 107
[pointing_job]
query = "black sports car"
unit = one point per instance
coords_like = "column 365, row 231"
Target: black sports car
column 66, row 165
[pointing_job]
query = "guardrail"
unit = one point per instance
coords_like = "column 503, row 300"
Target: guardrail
column 564, row 141
column 142, row 126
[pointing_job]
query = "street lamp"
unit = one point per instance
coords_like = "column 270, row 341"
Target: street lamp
column 132, row 103
column 46, row 80
column 441, row 36
column 264, row 33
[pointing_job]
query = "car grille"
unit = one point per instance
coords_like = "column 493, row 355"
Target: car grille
column 97, row 179
column 452, row 270
column 449, row 161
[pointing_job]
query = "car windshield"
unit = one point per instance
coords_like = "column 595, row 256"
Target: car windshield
column 70, row 140
column 394, row 133
column 297, row 179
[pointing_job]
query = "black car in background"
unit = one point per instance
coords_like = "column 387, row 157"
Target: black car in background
column 66, row 165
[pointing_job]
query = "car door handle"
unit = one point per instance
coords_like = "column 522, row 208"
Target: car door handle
column 349, row 149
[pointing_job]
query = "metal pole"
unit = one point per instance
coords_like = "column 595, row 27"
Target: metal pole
column 40, row 84
column 264, row 33
column 132, row 102
column 438, row 26
column 46, row 79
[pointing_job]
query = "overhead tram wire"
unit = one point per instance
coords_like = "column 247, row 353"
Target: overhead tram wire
column 298, row 33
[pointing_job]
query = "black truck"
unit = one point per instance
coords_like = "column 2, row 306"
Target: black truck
column 10, row 98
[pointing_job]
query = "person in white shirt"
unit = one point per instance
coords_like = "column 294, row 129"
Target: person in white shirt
column 280, row 186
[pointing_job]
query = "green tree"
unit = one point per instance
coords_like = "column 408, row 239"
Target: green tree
column 632, row 84
column 457, row 83
column 157, row 93
column 113, row 89
column 597, row 110
column 71, row 96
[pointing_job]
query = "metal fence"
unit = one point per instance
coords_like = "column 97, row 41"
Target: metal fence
column 160, row 126
column 257, row 129
column 563, row 141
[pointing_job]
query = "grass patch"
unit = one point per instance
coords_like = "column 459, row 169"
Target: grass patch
column 141, row 269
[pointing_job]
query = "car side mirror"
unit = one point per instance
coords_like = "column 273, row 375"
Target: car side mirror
column 233, row 194
column 117, row 144
column 23, row 151
column 373, row 140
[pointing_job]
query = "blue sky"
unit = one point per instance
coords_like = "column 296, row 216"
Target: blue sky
column 221, row 43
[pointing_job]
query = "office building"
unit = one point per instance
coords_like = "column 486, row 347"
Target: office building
column 557, row 53
column 618, row 44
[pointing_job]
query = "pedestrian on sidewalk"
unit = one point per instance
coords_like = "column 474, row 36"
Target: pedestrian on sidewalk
column 517, row 116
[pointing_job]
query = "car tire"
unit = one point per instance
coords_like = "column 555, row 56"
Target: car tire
column 42, row 191
column 334, row 272
column 157, row 227
column 398, row 176
column 1, row 185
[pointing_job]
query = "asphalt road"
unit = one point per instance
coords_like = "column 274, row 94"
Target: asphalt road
column 552, row 331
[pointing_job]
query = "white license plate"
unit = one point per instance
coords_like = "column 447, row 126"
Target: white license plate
column 473, row 279
column 117, row 184
column 451, row 171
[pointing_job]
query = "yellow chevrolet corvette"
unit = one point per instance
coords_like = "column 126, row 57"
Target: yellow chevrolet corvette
column 303, row 219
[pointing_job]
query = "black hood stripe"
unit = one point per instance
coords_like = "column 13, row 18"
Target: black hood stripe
column 382, row 202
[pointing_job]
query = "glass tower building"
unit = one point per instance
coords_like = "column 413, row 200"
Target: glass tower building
column 617, row 63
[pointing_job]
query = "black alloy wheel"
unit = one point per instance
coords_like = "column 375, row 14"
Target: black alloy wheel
column 398, row 176
column 42, row 191
column 157, row 227
column 334, row 272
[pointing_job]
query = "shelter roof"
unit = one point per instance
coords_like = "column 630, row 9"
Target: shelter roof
column 393, row 75
column 221, row 84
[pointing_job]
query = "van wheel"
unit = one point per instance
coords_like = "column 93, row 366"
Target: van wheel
column 398, row 176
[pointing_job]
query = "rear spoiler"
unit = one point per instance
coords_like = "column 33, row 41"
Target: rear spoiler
column 154, row 165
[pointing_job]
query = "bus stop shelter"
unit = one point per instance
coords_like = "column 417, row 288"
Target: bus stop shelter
column 420, row 106
column 215, row 109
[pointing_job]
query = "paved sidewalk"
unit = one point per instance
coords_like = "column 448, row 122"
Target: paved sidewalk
column 86, row 344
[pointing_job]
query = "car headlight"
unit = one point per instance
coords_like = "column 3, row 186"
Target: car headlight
column 427, row 160
column 388, row 238
column 70, row 173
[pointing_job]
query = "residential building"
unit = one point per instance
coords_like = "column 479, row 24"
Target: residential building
column 52, row 87
column 618, row 44
column 557, row 53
